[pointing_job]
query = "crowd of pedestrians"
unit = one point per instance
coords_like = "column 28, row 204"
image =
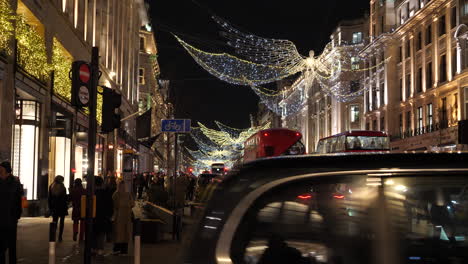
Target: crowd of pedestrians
column 113, row 212
column 112, row 221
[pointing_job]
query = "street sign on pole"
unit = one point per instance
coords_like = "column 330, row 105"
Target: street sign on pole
column 175, row 125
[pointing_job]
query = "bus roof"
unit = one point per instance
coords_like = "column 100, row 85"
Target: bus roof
column 368, row 133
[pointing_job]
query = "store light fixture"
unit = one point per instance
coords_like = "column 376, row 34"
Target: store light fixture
column 17, row 109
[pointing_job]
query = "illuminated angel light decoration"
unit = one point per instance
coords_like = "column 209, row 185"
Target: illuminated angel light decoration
column 219, row 146
column 264, row 60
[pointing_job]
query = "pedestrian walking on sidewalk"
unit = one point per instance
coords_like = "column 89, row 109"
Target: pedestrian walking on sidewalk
column 58, row 204
column 11, row 192
column 123, row 204
column 104, row 211
column 76, row 193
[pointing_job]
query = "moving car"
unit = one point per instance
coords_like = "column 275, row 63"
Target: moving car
column 358, row 208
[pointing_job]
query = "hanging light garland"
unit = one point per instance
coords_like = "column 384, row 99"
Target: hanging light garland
column 264, row 60
column 219, row 146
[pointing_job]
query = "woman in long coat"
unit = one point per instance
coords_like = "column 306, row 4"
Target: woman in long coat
column 78, row 221
column 123, row 204
column 58, row 202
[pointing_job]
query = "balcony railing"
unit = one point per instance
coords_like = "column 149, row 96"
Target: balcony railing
column 420, row 131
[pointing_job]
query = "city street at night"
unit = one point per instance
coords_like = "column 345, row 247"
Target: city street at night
column 234, row 132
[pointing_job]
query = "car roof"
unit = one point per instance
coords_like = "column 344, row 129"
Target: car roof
column 239, row 183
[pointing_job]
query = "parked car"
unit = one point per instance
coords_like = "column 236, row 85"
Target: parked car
column 359, row 208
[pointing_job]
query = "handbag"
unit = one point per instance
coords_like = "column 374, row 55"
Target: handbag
column 47, row 213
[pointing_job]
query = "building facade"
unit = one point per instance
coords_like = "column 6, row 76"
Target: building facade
column 42, row 134
column 318, row 114
column 419, row 96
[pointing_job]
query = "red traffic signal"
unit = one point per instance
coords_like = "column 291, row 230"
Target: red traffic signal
column 81, row 83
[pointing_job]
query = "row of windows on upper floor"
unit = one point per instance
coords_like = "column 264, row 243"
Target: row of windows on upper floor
column 418, row 40
column 406, row 11
column 405, row 91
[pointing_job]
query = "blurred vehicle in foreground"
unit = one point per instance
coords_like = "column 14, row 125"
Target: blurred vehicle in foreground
column 354, row 141
column 361, row 208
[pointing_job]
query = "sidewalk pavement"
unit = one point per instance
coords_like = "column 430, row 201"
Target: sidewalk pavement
column 33, row 246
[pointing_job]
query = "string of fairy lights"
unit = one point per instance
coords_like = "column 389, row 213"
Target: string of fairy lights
column 262, row 60
column 219, row 146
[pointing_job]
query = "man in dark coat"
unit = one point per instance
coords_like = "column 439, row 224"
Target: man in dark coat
column 104, row 211
column 11, row 193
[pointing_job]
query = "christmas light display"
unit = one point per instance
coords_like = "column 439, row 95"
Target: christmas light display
column 32, row 55
column 263, row 60
column 62, row 62
column 219, row 146
column 7, row 18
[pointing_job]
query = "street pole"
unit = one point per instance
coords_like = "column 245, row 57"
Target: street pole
column 174, row 188
column 91, row 152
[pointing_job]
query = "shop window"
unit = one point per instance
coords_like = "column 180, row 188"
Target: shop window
column 26, row 146
column 374, row 124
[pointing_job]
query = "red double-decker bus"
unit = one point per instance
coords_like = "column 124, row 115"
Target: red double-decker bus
column 354, row 141
column 273, row 142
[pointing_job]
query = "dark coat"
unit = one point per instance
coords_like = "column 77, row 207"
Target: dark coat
column 76, row 194
column 104, row 210
column 11, row 192
column 58, row 200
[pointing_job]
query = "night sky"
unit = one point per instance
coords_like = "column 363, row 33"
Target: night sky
column 200, row 96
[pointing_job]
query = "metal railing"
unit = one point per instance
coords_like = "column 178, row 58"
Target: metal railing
column 420, row 131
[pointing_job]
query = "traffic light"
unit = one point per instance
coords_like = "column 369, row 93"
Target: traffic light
column 111, row 101
column 81, row 83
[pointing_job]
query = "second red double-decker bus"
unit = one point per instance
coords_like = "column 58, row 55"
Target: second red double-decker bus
column 354, row 141
column 273, row 142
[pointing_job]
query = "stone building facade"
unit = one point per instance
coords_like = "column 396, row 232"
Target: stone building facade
column 42, row 134
column 419, row 96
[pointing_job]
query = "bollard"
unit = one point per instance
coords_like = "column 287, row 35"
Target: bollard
column 52, row 237
column 137, row 241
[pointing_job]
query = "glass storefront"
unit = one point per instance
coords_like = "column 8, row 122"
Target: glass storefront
column 60, row 157
column 26, row 146
column 81, row 157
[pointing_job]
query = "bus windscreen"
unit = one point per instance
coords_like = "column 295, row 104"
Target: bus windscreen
column 367, row 143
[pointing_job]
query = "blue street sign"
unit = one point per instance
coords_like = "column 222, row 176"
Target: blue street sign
column 175, row 125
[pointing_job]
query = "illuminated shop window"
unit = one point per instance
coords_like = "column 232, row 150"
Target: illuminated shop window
column 26, row 146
